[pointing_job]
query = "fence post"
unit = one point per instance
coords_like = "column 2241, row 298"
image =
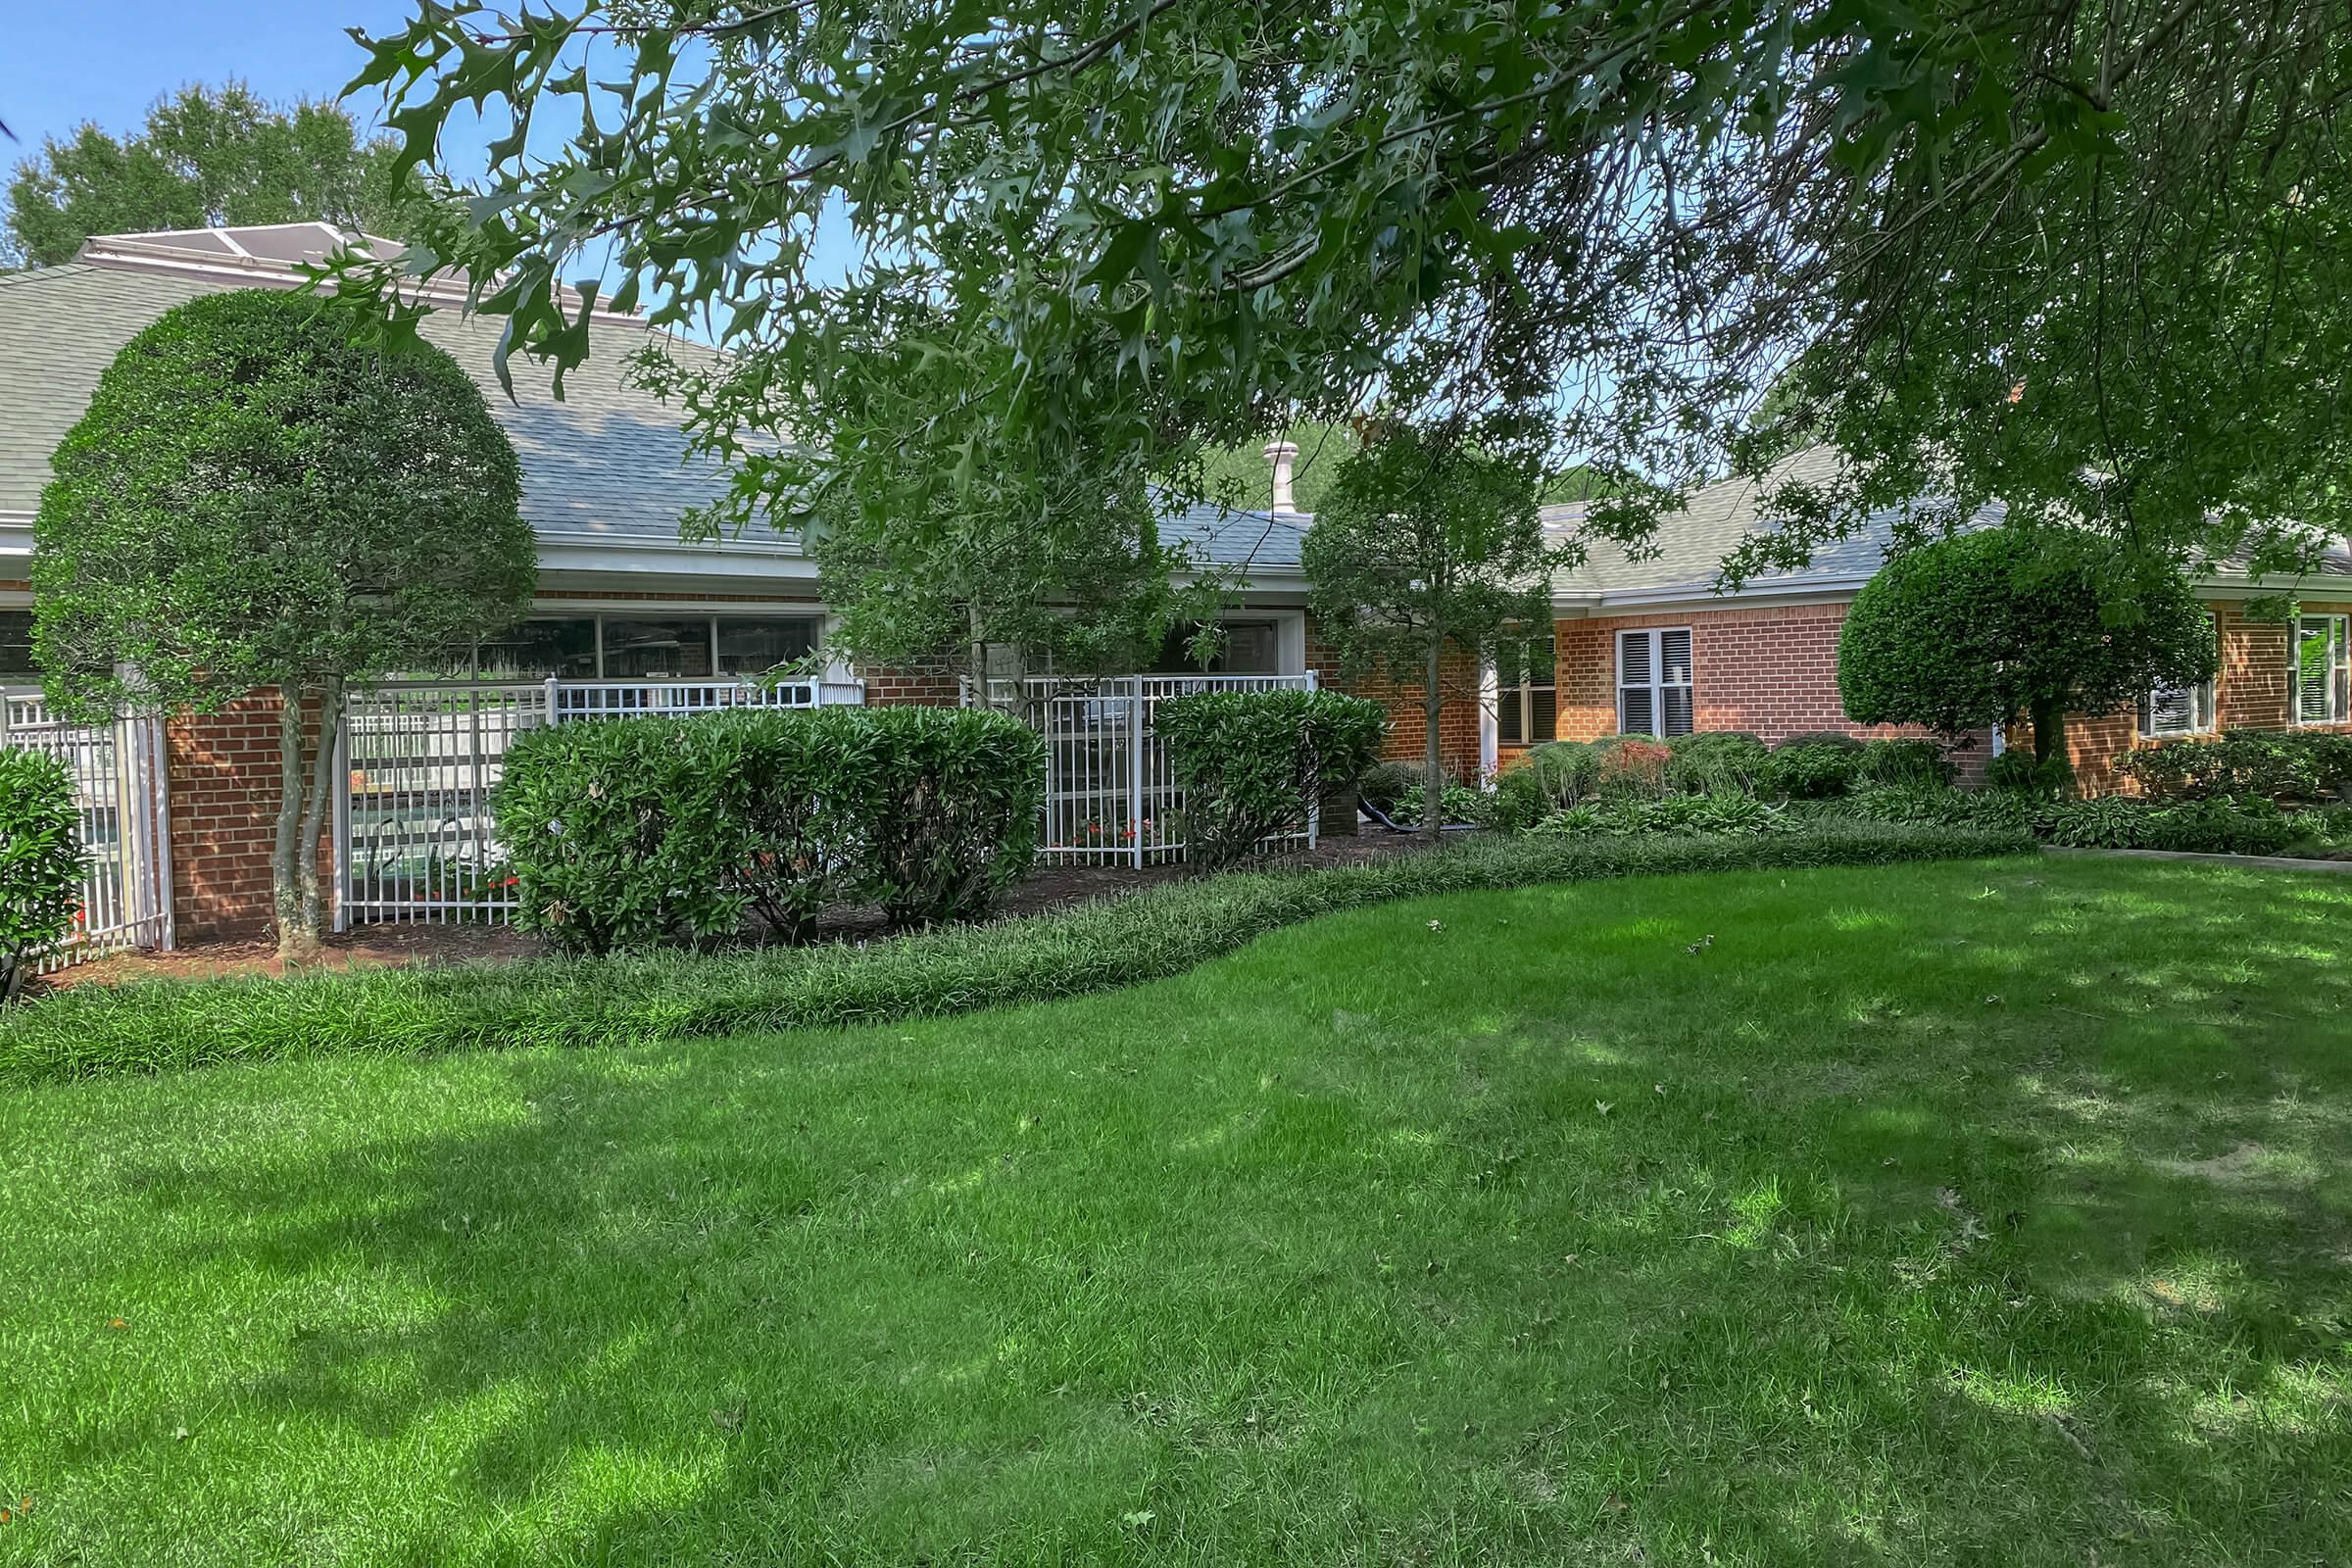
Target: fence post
column 552, row 713
column 342, row 856
column 1135, row 767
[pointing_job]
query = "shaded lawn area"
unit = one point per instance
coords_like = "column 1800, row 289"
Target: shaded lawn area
column 1993, row 1211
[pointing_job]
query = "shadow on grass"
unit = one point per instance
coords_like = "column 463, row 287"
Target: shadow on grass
column 1995, row 1211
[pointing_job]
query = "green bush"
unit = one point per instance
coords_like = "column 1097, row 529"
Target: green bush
column 2251, row 826
column 1716, row 762
column 1252, row 765
column 2302, row 765
column 1461, row 806
column 1835, row 739
column 1549, row 778
column 1723, row 813
column 634, row 998
column 1631, row 767
column 950, row 808
column 1810, row 769
column 40, row 860
column 628, row 833
column 1902, row 761
column 2016, row 770
column 1384, row 784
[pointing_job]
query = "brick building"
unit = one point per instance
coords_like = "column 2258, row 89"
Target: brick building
column 1637, row 644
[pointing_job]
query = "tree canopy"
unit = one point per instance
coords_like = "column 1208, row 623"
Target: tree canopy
column 252, row 500
column 206, row 156
column 1156, row 228
column 1982, row 629
column 1427, row 543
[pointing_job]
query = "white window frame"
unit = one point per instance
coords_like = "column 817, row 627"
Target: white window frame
column 1657, row 685
column 1521, row 696
column 2338, row 631
column 2203, row 706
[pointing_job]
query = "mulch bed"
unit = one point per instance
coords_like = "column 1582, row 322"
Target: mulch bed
column 1051, row 887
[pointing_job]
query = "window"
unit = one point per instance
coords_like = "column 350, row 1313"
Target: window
column 538, row 649
column 753, row 645
column 2177, row 709
column 1653, row 683
column 16, row 646
column 2322, row 670
column 1526, row 705
column 1251, row 648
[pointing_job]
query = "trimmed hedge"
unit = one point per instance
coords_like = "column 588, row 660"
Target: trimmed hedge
column 41, row 859
column 1252, row 765
column 2251, row 826
column 626, row 834
column 159, row 1025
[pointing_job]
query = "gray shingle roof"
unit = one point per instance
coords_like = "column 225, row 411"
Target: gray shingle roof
column 1212, row 536
column 1689, row 545
column 606, row 462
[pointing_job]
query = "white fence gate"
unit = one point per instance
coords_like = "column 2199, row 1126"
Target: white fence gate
column 118, row 772
column 415, row 840
column 1111, row 796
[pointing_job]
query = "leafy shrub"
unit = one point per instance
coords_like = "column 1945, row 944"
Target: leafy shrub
column 41, row 859
column 1719, row 813
column 2016, row 770
column 1716, row 762
column 1461, row 806
column 1384, row 784
column 1936, row 802
column 2253, row 826
column 1547, row 778
column 1810, row 769
column 1631, row 767
column 1254, row 764
column 627, row 833
column 949, row 806
column 639, row 998
column 2305, row 764
column 1902, row 761
column 1836, row 739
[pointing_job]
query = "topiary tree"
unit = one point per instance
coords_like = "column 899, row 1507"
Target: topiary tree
column 1977, row 629
column 1425, row 542
column 252, row 501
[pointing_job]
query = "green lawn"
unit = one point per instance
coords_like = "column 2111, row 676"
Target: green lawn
column 1994, row 1211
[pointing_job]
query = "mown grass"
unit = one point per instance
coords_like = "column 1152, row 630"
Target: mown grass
column 161, row 1025
column 1968, row 1212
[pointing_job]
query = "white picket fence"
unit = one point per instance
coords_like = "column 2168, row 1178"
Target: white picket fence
column 118, row 788
column 1110, row 794
column 415, row 839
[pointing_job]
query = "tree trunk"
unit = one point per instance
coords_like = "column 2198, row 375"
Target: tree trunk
column 2049, row 730
column 314, row 811
column 297, row 939
column 1433, row 771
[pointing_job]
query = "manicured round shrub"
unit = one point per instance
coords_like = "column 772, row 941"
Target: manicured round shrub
column 1975, row 630
column 40, row 860
column 2297, row 763
column 1632, row 768
column 1544, row 779
column 1383, row 784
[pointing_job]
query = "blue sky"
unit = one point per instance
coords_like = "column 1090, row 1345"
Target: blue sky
column 67, row 61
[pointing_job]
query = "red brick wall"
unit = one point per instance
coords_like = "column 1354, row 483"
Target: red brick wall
column 929, row 684
column 1772, row 672
column 2251, row 692
column 1458, row 724
column 224, row 770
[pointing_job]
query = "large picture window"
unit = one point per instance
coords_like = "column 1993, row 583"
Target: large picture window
column 1526, row 702
column 2322, row 670
column 1251, row 648
column 644, row 647
column 1654, row 682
